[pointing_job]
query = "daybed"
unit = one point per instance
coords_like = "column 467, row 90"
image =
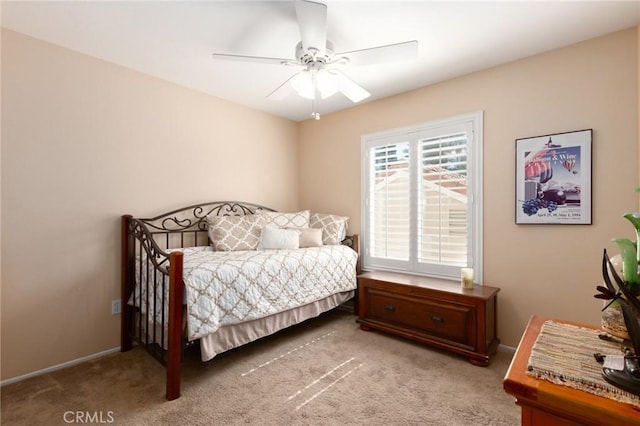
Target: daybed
column 227, row 273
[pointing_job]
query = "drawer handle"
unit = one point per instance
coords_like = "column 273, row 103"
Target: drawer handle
column 438, row 319
column 389, row 308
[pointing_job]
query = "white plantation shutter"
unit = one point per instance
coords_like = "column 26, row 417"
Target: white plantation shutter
column 442, row 189
column 389, row 195
column 421, row 198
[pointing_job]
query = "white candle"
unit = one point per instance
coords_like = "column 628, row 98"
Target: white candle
column 466, row 277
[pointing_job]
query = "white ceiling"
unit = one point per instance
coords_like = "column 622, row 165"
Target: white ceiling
column 174, row 40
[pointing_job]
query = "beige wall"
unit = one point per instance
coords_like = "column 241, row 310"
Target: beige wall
column 544, row 270
column 68, row 121
column 85, row 141
column 0, row 206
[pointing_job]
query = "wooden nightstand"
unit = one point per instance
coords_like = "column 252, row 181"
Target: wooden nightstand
column 548, row 404
column 433, row 311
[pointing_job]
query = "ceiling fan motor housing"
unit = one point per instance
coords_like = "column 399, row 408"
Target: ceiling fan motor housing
column 312, row 55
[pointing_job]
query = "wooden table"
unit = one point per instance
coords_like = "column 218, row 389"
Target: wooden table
column 548, row 404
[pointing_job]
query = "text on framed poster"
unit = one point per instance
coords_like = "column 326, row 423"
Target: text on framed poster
column 553, row 178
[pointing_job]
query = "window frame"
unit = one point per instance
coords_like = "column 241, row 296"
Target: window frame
column 473, row 122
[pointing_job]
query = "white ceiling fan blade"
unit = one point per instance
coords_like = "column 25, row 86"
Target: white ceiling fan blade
column 312, row 20
column 282, row 91
column 388, row 53
column 253, row 59
column 348, row 87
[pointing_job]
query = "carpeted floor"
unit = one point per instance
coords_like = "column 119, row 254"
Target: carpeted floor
column 323, row 372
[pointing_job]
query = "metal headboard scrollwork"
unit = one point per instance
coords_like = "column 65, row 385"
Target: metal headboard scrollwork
column 195, row 217
column 350, row 241
column 187, row 227
column 146, row 242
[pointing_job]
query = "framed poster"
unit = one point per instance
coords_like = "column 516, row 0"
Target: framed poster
column 553, row 179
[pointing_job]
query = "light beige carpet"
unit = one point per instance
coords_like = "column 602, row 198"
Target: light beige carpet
column 324, row 372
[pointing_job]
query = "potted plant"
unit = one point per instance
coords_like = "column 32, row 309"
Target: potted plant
column 623, row 292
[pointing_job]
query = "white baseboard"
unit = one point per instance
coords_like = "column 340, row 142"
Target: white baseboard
column 60, row 366
column 501, row 348
column 505, row 348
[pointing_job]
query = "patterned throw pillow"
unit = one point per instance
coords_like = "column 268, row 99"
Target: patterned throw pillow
column 285, row 220
column 334, row 228
column 232, row 233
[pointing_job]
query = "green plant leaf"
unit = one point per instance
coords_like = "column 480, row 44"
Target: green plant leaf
column 634, row 218
column 629, row 262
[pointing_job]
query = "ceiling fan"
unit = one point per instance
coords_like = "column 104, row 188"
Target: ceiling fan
column 320, row 75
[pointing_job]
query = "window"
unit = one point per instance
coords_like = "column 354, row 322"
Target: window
column 421, row 198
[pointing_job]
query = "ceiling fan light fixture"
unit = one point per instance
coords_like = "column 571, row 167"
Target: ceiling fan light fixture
column 302, row 84
column 305, row 83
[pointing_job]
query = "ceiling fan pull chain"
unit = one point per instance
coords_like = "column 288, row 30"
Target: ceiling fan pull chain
column 314, row 102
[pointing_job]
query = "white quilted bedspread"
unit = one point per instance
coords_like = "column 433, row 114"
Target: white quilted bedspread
column 225, row 288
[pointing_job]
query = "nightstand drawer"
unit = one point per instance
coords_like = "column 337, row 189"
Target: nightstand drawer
column 449, row 321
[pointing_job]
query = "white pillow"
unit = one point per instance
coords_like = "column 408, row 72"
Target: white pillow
column 273, row 238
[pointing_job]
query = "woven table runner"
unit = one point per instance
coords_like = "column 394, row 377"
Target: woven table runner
column 563, row 354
